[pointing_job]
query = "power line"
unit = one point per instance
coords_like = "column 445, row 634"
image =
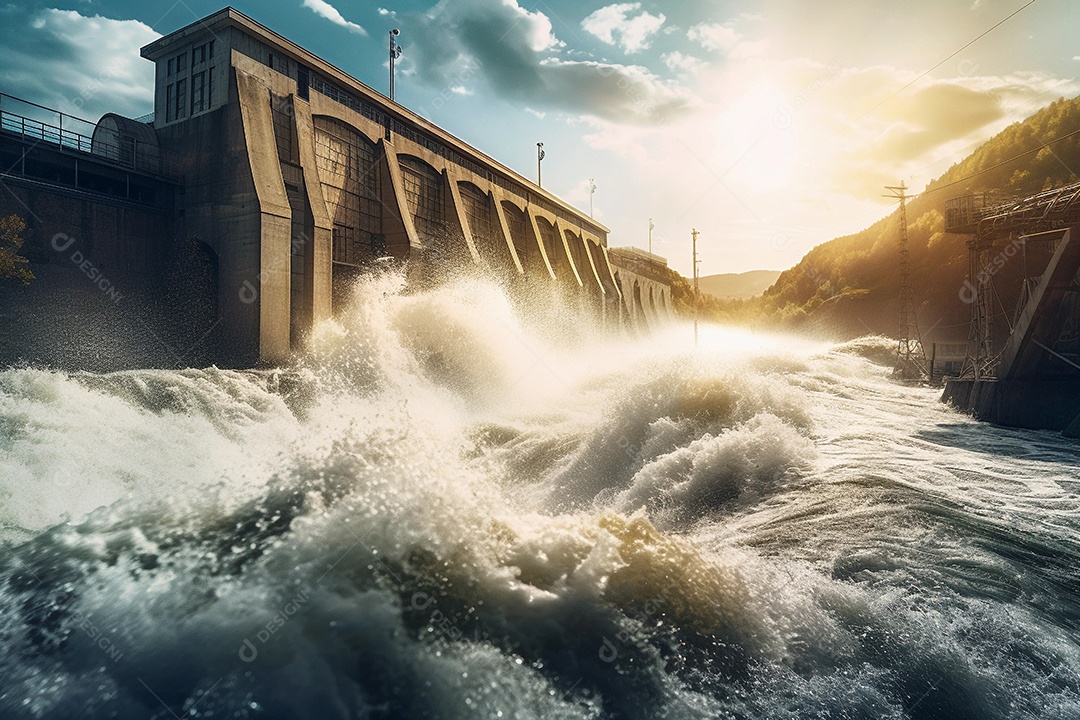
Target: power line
column 995, row 166
column 945, row 60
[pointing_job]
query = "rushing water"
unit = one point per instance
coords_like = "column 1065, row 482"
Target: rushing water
column 448, row 511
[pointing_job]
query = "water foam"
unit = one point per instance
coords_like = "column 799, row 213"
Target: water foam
column 443, row 513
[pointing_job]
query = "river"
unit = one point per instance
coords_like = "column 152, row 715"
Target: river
column 451, row 508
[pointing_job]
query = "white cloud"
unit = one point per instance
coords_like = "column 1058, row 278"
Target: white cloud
column 681, row 62
column 517, row 54
column 614, row 25
column 328, row 11
column 536, row 113
column 81, row 65
column 714, row 36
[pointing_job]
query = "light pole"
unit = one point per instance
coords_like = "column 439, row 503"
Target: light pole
column 395, row 53
column 592, row 191
column 539, row 157
column 651, row 226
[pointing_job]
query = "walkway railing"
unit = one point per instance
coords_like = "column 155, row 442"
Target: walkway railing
column 67, row 132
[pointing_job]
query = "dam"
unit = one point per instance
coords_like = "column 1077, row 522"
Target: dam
column 224, row 226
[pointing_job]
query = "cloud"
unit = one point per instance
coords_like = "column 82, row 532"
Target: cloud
column 516, row 53
column 933, row 115
column 717, row 37
column 681, row 62
column 921, row 130
column 328, row 11
column 614, row 25
column 714, row 36
column 82, row 65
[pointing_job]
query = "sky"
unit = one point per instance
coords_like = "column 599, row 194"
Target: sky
column 770, row 126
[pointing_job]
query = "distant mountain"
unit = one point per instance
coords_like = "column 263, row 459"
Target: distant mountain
column 849, row 286
column 738, row 286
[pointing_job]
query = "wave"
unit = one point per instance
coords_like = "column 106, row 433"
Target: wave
column 441, row 511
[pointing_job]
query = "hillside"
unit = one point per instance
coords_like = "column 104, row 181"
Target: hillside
column 849, row 286
column 738, row 285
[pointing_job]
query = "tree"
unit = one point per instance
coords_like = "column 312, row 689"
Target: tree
column 13, row 266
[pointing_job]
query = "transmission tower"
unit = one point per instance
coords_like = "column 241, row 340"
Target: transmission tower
column 910, row 356
column 981, row 361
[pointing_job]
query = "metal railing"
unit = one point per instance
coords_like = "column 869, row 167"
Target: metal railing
column 38, row 130
column 967, row 211
column 42, row 124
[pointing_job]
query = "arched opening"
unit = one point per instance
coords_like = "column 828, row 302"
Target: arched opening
column 639, row 309
column 520, row 235
column 485, row 229
column 603, row 270
column 423, row 194
column 555, row 253
column 348, row 172
column 619, row 301
column 581, row 262
column 477, row 211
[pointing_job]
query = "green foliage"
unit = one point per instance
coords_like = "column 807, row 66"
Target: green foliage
column 13, row 266
column 709, row 307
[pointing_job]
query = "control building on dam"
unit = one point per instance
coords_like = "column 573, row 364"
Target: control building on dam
column 267, row 180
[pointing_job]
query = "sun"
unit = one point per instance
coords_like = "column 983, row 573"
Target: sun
column 757, row 140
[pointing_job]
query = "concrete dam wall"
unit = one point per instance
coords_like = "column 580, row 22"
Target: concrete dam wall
column 266, row 182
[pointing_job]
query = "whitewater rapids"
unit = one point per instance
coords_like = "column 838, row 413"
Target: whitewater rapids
column 449, row 508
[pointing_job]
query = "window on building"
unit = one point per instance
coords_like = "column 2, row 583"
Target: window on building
column 210, row 88
column 342, row 239
column 170, row 103
column 302, row 81
column 279, row 63
column 198, row 92
column 281, row 114
column 211, row 50
column 171, row 67
column 181, row 99
column 181, row 63
column 198, row 55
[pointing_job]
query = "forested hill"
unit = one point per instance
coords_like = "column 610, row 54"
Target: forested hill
column 850, row 286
